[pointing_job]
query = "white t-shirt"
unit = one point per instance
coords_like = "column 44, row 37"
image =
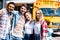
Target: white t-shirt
column 37, row 28
column 28, row 28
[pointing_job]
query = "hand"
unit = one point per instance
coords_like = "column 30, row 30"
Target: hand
column 44, row 38
column 1, row 11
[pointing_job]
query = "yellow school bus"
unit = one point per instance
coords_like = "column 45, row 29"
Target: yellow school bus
column 51, row 12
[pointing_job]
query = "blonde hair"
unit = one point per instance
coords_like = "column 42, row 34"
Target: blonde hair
column 41, row 14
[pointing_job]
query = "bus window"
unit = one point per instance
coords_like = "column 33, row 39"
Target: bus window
column 47, row 11
column 58, row 12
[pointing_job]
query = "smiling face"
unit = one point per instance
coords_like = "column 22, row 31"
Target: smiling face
column 28, row 16
column 10, row 7
column 23, row 10
column 38, row 14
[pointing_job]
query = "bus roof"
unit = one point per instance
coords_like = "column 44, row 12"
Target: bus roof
column 21, row 1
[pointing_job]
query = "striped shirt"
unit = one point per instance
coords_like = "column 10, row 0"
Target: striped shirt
column 18, row 31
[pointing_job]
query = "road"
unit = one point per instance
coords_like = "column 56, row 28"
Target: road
column 55, row 36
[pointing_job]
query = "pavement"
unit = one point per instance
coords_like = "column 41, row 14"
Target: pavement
column 55, row 38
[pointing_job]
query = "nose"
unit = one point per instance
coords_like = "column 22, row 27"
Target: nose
column 11, row 8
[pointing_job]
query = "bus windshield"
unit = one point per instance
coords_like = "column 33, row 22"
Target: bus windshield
column 50, row 11
column 58, row 12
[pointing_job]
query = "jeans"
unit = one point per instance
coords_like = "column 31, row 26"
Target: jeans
column 2, row 39
column 28, row 37
column 7, row 37
column 15, row 38
column 36, row 36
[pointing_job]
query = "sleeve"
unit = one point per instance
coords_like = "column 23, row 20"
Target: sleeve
column 32, row 23
column 17, row 16
column 15, row 19
column 44, row 29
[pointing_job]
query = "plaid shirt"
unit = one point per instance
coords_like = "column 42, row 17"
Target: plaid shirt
column 4, row 25
column 44, row 27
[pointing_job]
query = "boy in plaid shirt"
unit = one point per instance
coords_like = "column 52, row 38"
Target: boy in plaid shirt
column 4, row 25
column 6, row 16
